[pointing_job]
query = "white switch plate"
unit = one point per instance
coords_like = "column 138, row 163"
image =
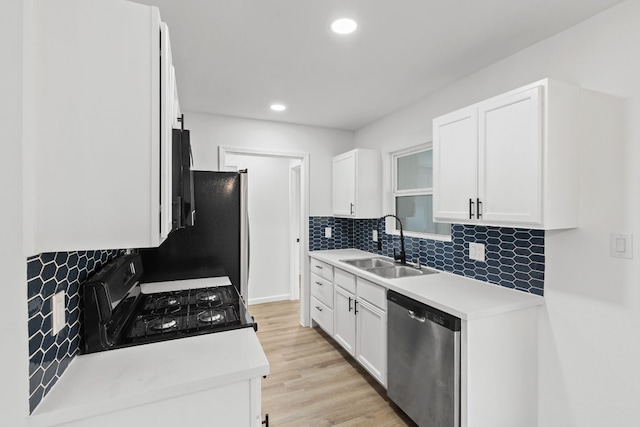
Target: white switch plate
column 327, row 232
column 58, row 319
column 476, row 251
column 621, row 245
column 374, row 235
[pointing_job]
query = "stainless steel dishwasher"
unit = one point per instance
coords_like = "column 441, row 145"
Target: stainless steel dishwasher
column 423, row 362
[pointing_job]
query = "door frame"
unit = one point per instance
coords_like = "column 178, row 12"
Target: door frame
column 305, row 314
column 295, row 229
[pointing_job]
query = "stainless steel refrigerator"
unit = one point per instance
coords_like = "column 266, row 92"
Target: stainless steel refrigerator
column 218, row 242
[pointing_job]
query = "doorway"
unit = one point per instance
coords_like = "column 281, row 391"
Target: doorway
column 278, row 209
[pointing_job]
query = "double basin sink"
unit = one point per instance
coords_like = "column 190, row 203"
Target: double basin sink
column 385, row 268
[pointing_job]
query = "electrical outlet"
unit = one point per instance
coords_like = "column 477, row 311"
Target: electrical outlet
column 58, row 318
column 327, row 232
column 476, row 251
column 374, row 235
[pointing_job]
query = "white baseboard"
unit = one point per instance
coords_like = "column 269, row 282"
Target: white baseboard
column 274, row 298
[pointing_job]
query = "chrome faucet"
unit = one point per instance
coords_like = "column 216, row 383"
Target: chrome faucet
column 402, row 256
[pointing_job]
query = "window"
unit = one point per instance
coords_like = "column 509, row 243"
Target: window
column 412, row 171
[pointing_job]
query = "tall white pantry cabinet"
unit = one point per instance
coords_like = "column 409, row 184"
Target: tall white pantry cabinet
column 511, row 160
column 98, row 156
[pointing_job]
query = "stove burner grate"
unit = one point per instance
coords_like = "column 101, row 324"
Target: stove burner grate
column 208, row 296
column 211, row 316
column 162, row 324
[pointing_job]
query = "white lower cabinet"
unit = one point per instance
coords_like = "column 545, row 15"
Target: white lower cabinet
column 322, row 315
column 236, row 404
column 345, row 319
column 322, row 297
column 355, row 315
column 371, row 340
column 360, row 325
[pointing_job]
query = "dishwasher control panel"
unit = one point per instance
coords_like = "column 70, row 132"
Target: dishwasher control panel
column 425, row 312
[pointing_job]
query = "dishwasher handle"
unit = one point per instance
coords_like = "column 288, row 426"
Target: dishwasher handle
column 413, row 316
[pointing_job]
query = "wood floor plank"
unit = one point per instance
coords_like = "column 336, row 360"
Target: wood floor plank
column 313, row 381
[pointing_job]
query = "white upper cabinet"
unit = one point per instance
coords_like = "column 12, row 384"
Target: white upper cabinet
column 356, row 184
column 455, row 164
column 511, row 160
column 98, row 156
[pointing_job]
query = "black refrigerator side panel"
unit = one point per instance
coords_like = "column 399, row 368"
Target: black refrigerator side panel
column 212, row 246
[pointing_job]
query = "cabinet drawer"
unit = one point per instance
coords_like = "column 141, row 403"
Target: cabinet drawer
column 322, row 289
column 375, row 294
column 322, row 269
column 345, row 280
column 322, row 315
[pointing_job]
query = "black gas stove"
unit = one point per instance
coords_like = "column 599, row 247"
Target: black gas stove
column 117, row 314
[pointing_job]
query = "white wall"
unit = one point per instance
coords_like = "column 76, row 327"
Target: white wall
column 14, row 389
column 210, row 131
column 268, row 201
column 589, row 342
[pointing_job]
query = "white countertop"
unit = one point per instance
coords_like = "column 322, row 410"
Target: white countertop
column 463, row 297
column 117, row 379
column 178, row 285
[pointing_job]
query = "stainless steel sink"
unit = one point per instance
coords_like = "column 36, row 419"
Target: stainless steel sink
column 397, row 271
column 385, row 268
column 367, row 263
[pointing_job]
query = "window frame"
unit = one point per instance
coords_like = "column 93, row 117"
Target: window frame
column 391, row 226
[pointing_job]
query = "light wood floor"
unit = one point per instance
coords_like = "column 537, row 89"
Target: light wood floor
column 313, row 381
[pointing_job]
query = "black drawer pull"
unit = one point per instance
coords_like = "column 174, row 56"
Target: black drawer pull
column 471, row 208
column 318, row 308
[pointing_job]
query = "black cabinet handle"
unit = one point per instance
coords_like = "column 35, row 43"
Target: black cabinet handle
column 349, row 303
column 355, row 307
column 319, row 283
column 471, row 208
column 266, row 420
column 351, row 205
column 320, row 267
column 478, row 208
column 318, row 308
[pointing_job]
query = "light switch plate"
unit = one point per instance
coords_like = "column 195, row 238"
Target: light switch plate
column 58, row 319
column 476, row 251
column 374, row 235
column 327, row 232
column 621, row 245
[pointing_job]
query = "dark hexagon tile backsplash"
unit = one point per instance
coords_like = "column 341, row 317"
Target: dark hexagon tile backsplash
column 47, row 274
column 514, row 257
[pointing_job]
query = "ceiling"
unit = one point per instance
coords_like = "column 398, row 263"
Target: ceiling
column 236, row 57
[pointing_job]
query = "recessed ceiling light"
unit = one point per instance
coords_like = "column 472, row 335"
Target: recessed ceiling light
column 278, row 107
column 344, row 26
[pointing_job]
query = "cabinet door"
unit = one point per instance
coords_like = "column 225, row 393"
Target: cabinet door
column 344, row 319
column 455, row 171
column 166, row 135
column 510, row 156
column 94, row 168
column 344, row 184
column 371, row 346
